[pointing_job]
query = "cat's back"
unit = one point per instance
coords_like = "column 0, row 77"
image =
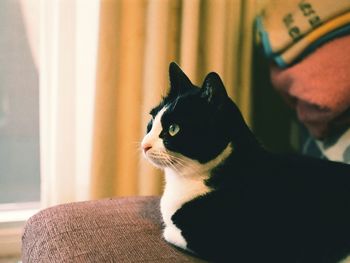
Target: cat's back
column 299, row 179
column 292, row 203
column 309, row 171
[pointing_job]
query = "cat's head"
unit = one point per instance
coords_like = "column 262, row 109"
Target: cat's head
column 191, row 126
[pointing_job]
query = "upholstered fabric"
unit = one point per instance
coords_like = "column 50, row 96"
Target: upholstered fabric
column 113, row 230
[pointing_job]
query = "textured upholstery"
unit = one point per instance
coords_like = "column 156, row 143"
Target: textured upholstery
column 113, row 230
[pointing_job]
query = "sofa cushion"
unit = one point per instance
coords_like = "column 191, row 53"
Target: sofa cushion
column 114, row 230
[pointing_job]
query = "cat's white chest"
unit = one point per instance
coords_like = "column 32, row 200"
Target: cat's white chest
column 178, row 190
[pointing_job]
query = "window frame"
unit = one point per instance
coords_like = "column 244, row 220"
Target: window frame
column 12, row 221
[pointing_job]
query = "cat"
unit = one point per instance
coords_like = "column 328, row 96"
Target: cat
column 227, row 198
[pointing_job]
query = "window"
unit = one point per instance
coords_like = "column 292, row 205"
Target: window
column 19, row 127
column 63, row 91
column 19, row 111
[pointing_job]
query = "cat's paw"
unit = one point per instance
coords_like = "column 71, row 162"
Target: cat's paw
column 173, row 235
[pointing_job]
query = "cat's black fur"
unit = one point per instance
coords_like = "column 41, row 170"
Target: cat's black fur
column 264, row 207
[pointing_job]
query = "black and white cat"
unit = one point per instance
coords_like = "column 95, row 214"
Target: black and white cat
column 227, row 199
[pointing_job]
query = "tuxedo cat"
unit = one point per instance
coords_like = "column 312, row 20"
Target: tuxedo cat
column 227, row 199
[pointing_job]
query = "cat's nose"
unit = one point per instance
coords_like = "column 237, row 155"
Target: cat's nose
column 146, row 147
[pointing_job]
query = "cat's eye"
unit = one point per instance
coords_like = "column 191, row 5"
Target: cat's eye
column 174, row 129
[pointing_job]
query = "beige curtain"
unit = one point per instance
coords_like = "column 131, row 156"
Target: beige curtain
column 138, row 40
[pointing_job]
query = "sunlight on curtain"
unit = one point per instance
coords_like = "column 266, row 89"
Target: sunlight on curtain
column 138, row 40
column 67, row 62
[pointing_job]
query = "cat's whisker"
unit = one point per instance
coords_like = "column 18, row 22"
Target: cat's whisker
column 176, row 163
column 175, row 160
column 179, row 160
column 167, row 160
column 180, row 166
column 160, row 157
column 191, row 168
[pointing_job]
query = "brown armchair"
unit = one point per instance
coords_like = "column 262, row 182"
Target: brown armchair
column 112, row 230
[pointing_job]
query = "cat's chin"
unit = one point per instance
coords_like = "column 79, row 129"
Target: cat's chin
column 156, row 162
column 159, row 159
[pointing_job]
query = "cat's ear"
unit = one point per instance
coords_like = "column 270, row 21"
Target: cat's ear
column 179, row 82
column 213, row 89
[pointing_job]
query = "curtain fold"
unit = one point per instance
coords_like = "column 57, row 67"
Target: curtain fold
column 138, row 40
column 190, row 38
column 119, row 81
column 67, row 69
column 160, row 49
